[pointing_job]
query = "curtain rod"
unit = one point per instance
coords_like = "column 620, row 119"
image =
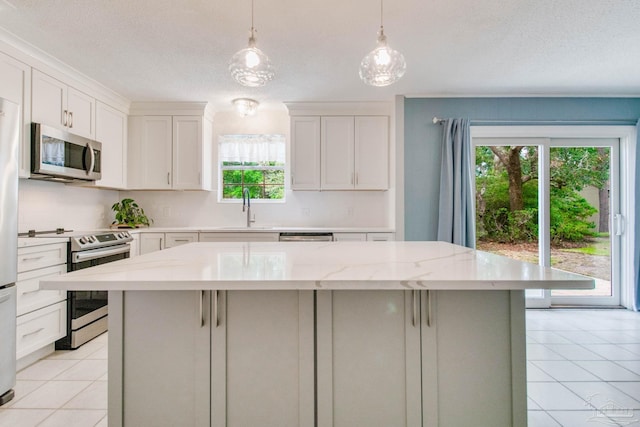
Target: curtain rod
column 632, row 122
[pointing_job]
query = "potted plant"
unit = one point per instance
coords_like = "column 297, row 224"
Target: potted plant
column 129, row 215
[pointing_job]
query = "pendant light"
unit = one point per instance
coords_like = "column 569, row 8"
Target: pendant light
column 382, row 66
column 250, row 66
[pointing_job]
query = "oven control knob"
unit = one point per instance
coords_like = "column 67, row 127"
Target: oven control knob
column 92, row 239
column 83, row 240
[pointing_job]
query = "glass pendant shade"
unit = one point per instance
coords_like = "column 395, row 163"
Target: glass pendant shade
column 382, row 66
column 250, row 66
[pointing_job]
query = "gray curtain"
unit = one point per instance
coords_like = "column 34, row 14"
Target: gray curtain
column 456, row 219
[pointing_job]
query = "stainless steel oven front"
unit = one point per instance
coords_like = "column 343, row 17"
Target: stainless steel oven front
column 87, row 311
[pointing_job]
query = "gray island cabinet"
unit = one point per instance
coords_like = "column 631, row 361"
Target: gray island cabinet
column 317, row 334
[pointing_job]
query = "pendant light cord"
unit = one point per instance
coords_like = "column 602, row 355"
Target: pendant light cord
column 381, row 26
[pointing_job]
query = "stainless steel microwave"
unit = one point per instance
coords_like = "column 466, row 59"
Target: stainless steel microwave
column 61, row 156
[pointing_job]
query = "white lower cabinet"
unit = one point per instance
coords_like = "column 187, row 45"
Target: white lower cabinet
column 368, row 359
column 262, row 359
column 41, row 315
column 480, row 358
column 244, row 236
column 177, row 239
column 350, row 237
column 134, row 245
column 151, row 242
column 329, row 359
column 40, row 328
column 165, row 363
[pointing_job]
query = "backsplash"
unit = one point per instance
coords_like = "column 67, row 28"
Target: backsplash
column 301, row 209
column 47, row 205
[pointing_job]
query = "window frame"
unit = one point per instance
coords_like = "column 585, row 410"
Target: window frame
column 221, row 168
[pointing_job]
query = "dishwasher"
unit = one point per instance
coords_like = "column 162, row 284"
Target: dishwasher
column 306, row 237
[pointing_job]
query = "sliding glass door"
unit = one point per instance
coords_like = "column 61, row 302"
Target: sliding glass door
column 552, row 201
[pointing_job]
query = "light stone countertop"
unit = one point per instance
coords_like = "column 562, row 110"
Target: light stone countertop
column 317, row 265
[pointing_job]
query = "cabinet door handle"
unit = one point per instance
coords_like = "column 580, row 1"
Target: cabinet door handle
column 202, row 317
column 428, row 308
column 64, row 118
column 32, row 333
column 70, row 119
column 356, row 178
column 216, row 306
column 160, row 243
column 168, row 177
column 413, row 308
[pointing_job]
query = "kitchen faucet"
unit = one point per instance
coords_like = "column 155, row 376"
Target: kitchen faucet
column 246, row 202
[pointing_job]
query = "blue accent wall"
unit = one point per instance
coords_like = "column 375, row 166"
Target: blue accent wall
column 423, row 138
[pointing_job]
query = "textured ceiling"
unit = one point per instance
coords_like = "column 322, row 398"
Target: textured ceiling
column 179, row 50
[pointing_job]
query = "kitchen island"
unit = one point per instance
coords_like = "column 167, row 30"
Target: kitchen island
column 326, row 334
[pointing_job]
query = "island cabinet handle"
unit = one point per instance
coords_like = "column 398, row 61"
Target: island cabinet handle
column 202, row 319
column 413, row 308
column 216, row 307
column 428, row 308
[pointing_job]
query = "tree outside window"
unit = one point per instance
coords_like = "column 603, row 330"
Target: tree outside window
column 255, row 162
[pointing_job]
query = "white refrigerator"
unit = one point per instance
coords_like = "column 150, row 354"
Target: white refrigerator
column 9, row 129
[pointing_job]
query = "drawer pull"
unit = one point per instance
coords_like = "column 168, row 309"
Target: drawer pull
column 35, row 258
column 182, row 240
column 32, row 333
column 31, row 292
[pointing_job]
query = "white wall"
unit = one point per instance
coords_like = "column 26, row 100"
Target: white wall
column 301, row 208
column 48, row 205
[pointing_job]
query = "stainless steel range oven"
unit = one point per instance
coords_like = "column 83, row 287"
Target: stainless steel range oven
column 87, row 310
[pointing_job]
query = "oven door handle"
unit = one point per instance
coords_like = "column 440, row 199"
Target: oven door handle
column 98, row 253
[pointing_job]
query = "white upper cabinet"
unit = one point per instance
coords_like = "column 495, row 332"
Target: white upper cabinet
column 187, row 152
column 14, row 86
column 150, row 150
column 354, row 153
column 169, row 152
column 336, row 153
column 305, row 153
column 56, row 104
column 339, row 146
column 111, row 132
column 371, row 153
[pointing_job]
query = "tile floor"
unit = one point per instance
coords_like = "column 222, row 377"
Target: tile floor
column 583, row 370
column 66, row 389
